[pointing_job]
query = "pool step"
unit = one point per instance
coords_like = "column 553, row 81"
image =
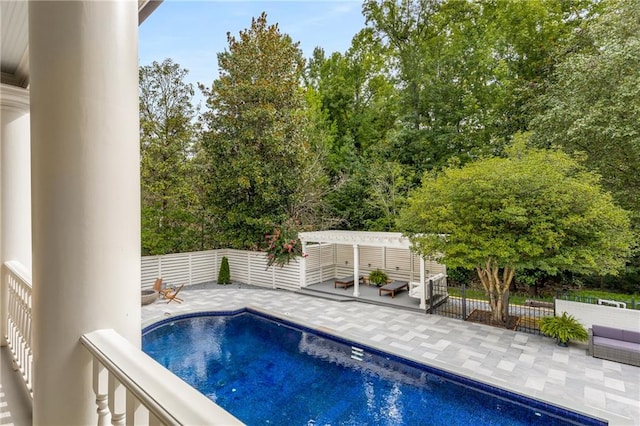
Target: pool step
column 357, row 353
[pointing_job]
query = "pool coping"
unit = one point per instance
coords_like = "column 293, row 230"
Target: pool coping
column 476, row 379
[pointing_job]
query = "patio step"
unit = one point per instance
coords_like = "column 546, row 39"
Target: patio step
column 325, row 295
column 375, row 300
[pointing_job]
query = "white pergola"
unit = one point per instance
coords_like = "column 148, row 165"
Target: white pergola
column 358, row 239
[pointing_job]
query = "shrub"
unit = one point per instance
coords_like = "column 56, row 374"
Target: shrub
column 563, row 328
column 283, row 246
column 224, row 276
column 378, row 277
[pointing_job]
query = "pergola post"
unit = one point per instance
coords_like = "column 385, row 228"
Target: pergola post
column 356, row 270
column 423, row 284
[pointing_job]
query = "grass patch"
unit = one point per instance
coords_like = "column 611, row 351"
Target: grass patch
column 514, row 298
column 601, row 294
column 519, row 299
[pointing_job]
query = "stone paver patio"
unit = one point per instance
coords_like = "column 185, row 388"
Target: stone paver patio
column 519, row 362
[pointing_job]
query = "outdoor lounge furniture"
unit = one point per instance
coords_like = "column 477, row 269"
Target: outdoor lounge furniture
column 172, row 295
column 416, row 290
column 393, row 287
column 615, row 344
column 157, row 286
column 347, row 281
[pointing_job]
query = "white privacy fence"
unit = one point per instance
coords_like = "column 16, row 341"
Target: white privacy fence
column 249, row 267
column 16, row 283
column 188, row 268
column 323, row 262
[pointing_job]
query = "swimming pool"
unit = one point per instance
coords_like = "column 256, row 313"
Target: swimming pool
column 268, row 371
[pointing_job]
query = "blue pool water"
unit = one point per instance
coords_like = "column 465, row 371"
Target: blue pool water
column 265, row 371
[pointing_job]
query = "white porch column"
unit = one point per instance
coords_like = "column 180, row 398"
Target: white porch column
column 423, row 283
column 356, row 270
column 15, row 186
column 85, row 193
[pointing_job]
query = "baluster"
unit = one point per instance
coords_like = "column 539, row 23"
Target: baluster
column 137, row 414
column 12, row 314
column 100, row 389
column 117, row 401
column 21, row 327
column 29, row 354
column 154, row 421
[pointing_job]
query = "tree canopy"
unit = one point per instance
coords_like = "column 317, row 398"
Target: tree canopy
column 340, row 140
column 533, row 209
column 592, row 104
column 167, row 137
column 255, row 139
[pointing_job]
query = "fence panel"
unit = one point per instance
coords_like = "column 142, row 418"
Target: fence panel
column 399, row 260
column 525, row 318
column 238, row 265
column 370, row 257
column 205, row 266
column 288, row 277
column 260, row 275
column 150, row 271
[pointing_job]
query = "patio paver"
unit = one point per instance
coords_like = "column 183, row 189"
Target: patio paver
column 519, row 362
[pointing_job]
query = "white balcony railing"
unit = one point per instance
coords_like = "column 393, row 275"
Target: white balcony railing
column 133, row 389
column 129, row 386
column 18, row 289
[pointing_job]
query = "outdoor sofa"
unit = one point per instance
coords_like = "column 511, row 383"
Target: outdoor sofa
column 615, row 344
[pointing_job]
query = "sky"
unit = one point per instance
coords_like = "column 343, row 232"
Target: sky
column 192, row 33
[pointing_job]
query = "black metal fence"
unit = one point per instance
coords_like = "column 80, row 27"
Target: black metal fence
column 625, row 303
column 521, row 317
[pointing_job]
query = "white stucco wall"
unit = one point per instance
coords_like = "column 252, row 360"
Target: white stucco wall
column 589, row 314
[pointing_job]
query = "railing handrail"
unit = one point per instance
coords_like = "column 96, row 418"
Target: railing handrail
column 169, row 399
column 20, row 271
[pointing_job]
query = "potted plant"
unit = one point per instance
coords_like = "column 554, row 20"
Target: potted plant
column 378, row 277
column 563, row 329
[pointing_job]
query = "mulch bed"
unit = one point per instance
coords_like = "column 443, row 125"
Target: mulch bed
column 484, row 317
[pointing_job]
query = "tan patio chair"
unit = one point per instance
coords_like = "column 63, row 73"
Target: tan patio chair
column 157, row 286
column 172, row 295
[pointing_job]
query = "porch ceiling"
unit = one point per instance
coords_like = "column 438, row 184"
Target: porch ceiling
column 14, row 33
column 360, row 238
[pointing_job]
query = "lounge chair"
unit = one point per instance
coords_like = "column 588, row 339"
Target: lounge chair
column 157, row 286
column 393, row 287
column 347, row 281
column 172, row 295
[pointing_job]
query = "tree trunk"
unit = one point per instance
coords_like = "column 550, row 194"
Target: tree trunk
column 496, row 287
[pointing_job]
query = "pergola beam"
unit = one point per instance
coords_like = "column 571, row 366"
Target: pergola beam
column 357, row 239
column 361, row 238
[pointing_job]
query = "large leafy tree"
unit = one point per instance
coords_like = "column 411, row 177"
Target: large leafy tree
column 466, row 70
column 536, row 209
column 167, row 134
column 256, row 138
column 356, row 108
column 593, row 102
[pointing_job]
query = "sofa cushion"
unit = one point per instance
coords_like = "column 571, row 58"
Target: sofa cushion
column 631, row 336
column 608, row 332
column 616, row 344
